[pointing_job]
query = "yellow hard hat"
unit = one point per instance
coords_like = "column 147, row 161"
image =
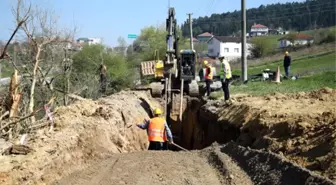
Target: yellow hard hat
column 287, row 52
column 157, row 111
column 205, row 62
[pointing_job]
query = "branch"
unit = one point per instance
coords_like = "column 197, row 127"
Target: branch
column 20, row 119
column 75, row 97
column 19, row 24
column 4, row 115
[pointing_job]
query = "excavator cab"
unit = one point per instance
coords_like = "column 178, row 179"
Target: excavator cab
column 187, row 65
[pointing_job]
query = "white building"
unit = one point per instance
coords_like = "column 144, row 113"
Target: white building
column 89, row 41
column 230, row 47
column 258, row 30
column 299, row 39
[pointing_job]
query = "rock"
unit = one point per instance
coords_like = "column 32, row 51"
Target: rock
column 5, row 146
column 304, row 125
column 327, row 90
column 20, row 150
column 231, row 176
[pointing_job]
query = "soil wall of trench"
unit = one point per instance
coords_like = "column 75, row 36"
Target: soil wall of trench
column 299, row 127
column 85, row 131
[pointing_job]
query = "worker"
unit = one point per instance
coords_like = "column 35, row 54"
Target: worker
column 225, row 76
column 287, row 63
column 157, row 128
column 208, row 76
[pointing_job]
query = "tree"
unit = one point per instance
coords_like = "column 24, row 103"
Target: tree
column 122, row 42
column 260, row 47
column 86, row 70
column 154, row 38
column 292, row 15
column 44, row 39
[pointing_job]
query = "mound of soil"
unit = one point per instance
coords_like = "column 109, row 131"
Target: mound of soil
column 299, row 126
column 85, row 131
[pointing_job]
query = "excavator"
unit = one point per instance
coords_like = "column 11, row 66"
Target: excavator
column 174, row 75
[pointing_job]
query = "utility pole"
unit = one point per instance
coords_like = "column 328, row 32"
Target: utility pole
column 243, row 41
column 191, row 32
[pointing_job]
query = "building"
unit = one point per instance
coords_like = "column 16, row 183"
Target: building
column 299, row 39
column 204, row 37
column 258, row 30
column 89, row 41
column 278, row 31
column 230, row 47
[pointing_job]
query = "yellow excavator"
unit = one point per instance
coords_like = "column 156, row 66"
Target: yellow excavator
column 175, row 74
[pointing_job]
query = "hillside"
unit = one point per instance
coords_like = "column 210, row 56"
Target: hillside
column 290, row 16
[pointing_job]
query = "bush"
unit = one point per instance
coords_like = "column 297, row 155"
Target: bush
column 260, row 47
column 86, row 65
column 322, row 36
column 330, row 36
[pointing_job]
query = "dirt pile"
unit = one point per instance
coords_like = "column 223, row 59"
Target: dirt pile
column 85, row 131
column 299, row 126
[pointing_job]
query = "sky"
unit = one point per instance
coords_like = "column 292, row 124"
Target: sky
column 109, row 19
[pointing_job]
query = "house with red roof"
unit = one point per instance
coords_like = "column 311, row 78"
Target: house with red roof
column 258, row 30
column 295, row 40
column 204, row 37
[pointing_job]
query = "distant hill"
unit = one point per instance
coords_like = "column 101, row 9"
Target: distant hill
column 297, row 16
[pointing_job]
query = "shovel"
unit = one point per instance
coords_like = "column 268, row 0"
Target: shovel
column 180, row 147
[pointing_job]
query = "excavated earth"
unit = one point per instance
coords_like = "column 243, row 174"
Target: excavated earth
column 97, row 142
column 300, row 127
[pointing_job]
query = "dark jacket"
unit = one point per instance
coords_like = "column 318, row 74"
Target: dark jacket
column 287, row 61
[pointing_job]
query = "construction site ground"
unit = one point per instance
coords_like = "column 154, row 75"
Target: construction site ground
column 276, row 139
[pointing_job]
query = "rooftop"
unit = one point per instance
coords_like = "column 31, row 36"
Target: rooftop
column 205, row 34
column 297, row 36
column 259, row 26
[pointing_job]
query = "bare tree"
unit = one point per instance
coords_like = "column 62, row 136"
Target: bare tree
column 45, row 38
column 19, row 22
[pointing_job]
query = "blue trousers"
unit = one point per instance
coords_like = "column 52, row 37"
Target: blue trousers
column 287, row 69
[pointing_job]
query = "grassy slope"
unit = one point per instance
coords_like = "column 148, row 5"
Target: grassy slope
column 272, row 40
column 322, row 67
column 298, row 66
column 317, row 81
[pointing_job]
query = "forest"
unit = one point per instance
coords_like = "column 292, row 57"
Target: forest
column 295, row 16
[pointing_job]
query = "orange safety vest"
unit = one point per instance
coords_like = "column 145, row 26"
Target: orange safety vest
column 156, row 130
column 208, row 73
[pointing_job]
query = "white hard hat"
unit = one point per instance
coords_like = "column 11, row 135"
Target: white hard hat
column 221, row 56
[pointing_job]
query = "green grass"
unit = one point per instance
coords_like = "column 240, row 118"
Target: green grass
column 316, row 72
column 301, row 66
column 271, row 40
column 317, row 81
column 311, row 32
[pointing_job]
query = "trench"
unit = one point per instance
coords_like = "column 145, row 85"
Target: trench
column 203, row 127
column 200, row 128
column 203, row 124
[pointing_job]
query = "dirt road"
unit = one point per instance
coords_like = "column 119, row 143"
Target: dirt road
column 228, row 164
column 144, row 168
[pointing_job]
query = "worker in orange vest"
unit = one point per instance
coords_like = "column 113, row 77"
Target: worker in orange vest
column 208, row 76
column 157, row 130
